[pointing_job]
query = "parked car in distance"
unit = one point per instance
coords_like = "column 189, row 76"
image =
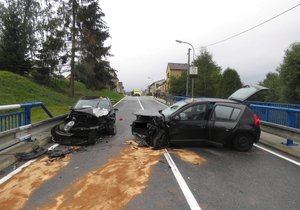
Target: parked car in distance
column 218, row 121
column 89, row 117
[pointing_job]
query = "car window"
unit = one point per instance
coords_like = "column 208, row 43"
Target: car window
column 168, row 111
column 195, row 112
column 235, row 114
column 104, row 104
column 225, row 113
column 86, row 104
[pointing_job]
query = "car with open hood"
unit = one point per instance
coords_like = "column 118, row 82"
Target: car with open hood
column 90, row 117
column 217, row 121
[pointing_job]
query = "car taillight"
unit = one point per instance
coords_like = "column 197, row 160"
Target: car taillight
column 256, row 120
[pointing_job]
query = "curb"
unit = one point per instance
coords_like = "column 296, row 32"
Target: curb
column 293, row 151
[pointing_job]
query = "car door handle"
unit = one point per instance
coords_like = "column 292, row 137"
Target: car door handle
column 227, row 129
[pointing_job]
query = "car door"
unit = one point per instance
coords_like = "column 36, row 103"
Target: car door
column 189, row 124
column 223, row 121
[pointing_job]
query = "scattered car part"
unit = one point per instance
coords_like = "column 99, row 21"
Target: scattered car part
column 35, row 153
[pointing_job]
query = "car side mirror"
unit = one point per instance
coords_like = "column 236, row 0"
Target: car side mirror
column 116, row 109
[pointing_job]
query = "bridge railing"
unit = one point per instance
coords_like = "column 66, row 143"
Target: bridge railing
column 13, row 120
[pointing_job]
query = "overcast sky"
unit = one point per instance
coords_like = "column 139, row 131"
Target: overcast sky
column 143, row 35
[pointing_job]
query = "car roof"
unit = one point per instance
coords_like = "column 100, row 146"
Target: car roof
column 93, row 98
column 211, row 100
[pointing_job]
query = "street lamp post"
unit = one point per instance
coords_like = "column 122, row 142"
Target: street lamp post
column 187, row 79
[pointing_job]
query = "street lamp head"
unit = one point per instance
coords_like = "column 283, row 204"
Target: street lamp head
column 179, row 41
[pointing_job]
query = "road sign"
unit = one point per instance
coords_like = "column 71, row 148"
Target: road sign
column 193, row 73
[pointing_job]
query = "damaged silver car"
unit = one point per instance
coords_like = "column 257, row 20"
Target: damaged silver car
column 90, row 117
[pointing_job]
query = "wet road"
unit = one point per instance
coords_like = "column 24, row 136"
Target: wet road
column 115, row 175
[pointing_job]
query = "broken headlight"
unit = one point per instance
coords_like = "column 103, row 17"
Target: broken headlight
column 68, row 126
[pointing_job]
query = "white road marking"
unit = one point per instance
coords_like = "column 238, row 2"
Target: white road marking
column 17, row 170
column 140, row 103
column 183, row 186
column 119, row 101
column 161, row 103
column 278, row 155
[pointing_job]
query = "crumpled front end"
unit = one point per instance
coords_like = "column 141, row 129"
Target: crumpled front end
column 80, row 128
column 151, row 131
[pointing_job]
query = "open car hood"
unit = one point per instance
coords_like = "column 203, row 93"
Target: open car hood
column 246, row 92
column 93, row 111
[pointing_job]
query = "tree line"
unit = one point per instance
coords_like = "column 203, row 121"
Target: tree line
column 36, row 40
column 283, row 84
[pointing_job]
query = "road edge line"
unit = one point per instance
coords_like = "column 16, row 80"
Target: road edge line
column 182, row 184
column 17, row 170
column 278, row 155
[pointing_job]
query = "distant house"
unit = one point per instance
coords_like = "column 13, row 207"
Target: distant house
column 155, row 87
column 120, row 87
column 175, row 70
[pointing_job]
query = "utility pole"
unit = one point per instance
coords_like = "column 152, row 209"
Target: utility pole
column 187, row 74
column 73, row 51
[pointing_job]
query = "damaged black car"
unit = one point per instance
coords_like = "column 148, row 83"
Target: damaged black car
column 217, row 121
column 89, row 118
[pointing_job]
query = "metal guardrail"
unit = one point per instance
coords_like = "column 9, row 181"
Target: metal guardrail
column 281, row 130
column 17, row 135
column 282, row 116
column 17, row 119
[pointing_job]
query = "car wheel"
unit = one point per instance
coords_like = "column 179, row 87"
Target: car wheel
column 112, row 129
column 243, row 142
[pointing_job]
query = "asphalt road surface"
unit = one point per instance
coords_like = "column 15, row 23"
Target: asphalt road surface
column 116, row 174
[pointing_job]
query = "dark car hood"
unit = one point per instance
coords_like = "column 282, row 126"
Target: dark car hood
column 147, row 113
column 93, row 111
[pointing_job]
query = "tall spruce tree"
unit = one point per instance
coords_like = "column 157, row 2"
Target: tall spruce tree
column 209, row 75
column 230, row 82
column 289, row 73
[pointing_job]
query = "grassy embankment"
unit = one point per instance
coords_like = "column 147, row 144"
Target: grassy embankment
column 15, row 89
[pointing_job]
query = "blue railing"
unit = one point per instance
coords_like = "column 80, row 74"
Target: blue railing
column 278, row 113
column 284, row 116
column 17, row 119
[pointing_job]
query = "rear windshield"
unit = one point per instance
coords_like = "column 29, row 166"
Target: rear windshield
column 243, row 93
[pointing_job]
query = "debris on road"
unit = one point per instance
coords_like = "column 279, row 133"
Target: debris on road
column 16, row 192
column 117, row 182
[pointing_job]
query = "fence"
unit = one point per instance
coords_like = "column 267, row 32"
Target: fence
column 17, row 119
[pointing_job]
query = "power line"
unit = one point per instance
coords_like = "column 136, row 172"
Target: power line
column 238, row 34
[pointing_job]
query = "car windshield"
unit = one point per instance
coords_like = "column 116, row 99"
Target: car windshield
column 92, row 103
column 170, row 110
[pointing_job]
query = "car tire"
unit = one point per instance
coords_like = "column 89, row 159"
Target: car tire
column 243, row 142
column 112, row 129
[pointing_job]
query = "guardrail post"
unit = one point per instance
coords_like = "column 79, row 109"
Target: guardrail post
column 292, row 119
column 27, row 117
